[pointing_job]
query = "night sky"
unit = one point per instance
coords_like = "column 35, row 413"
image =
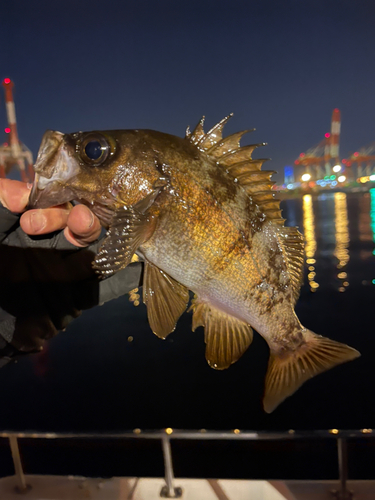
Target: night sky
column 280, row 66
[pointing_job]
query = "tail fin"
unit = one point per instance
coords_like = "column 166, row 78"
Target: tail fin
column 287, row 371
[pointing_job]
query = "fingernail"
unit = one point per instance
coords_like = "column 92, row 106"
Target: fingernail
column 91, row 219
column 38, row 221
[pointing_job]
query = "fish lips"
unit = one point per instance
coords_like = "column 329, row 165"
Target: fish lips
column 45, row 195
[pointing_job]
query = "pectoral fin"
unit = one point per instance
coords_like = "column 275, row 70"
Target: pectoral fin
column 129, row 229
column 165, row 298
column 226, row 337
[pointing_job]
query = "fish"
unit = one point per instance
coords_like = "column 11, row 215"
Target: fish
column 203, row 216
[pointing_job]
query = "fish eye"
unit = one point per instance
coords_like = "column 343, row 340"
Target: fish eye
column 94, row 149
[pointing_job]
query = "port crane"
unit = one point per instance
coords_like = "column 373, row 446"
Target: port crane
column 317, row 161
column 13, row 153
column 364, row 159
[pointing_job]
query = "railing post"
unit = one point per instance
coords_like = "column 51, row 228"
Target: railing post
column 169, row 490
column 342, row 453
column 21, row 486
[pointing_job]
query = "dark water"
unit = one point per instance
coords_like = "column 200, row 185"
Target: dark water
column 92, row 378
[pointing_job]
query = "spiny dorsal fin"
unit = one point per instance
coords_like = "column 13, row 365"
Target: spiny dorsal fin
column 239, row 164
column 239, row 155
column 206, row 141
column 214, row 135
column 226, row 337
column 197, row 134
column 292, row 243
column 227, row 144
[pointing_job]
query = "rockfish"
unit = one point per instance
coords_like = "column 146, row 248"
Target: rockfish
column 203, row 215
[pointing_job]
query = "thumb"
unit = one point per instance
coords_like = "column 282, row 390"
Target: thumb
column 14, row 195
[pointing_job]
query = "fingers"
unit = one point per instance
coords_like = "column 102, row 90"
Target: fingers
column 83, row 226
column 44, row 221
column 14, row 195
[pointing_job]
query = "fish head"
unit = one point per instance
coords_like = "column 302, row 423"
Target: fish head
column 111, row 169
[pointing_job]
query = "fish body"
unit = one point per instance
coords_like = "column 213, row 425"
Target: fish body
column 203, row 215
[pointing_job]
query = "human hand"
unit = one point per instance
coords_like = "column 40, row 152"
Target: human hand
column 80, row 225
column 49, row 281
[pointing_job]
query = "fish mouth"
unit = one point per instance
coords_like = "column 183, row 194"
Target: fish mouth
column 45, row 194
column 55, row 168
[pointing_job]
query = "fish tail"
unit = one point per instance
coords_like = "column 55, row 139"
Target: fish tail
column 289, row 369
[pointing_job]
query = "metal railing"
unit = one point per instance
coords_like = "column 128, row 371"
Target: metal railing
column 166, row 435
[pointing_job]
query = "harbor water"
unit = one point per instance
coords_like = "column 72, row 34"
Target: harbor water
column 108, row 372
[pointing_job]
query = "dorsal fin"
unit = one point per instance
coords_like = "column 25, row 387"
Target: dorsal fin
column 214, row 135
column 239, row 164
column 204, row 141
column 292, row 243
column 197, row 134
column 227, row 144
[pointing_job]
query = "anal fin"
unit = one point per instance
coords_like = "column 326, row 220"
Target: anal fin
column 165, row 298
column 288, row 370
column 226, row 337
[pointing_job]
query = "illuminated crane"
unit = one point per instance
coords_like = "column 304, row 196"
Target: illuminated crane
column 317, row 161
column 364, row 158
column 12, row 151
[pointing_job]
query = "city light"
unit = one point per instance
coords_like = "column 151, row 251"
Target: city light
column 7, row 130
column 363, row 179
column 306, row 177
column 342, row 178
column 6, row 81
column 372, row 177
column 337, row 168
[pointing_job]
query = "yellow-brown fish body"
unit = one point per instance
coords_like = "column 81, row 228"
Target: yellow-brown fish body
column 211, row 238
column 203, row 215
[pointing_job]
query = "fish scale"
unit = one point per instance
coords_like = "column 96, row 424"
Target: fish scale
column 203, row 214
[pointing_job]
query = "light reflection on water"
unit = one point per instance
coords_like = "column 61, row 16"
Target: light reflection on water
column 342, row 238
column 310, row 240
column 336, row 227
column 372, row 215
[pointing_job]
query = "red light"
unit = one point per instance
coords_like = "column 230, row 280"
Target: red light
column 302, row 155
column 356, row 154
column 5, row 144
column 327, row 135
column 296, row 162
column 336, row 110
column 344, row 161
column 7, row 130
column 6, row 81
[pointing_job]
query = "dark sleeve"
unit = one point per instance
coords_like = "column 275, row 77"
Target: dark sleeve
column 8, row 220
column 45, row 283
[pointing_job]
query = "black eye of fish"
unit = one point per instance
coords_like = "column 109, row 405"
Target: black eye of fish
column 94, row 149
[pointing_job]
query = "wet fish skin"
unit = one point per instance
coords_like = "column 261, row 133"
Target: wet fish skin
column 204, row 217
